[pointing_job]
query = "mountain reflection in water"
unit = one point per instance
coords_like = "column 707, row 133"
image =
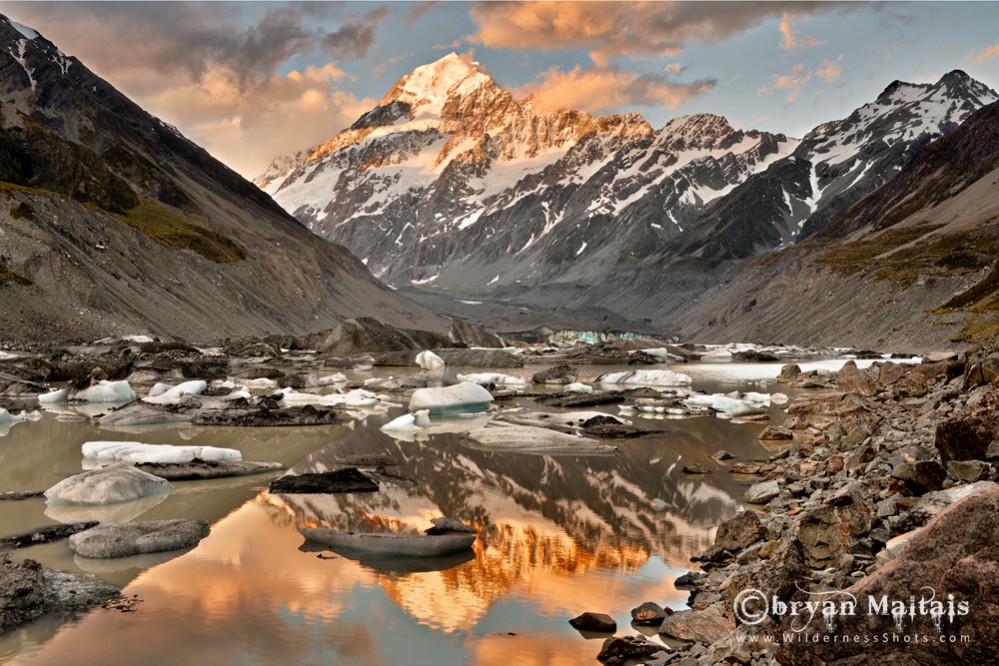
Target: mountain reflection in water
column 558, row 535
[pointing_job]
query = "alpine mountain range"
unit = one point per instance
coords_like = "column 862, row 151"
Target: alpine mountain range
column 451, row 185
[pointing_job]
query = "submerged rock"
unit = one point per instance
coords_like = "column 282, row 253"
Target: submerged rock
column 114, row 540
column 207, row 469
column 594, row 622
column 120, row 482
column 348, row 480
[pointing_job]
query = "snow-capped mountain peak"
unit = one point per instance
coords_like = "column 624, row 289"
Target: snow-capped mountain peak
column 428, row 88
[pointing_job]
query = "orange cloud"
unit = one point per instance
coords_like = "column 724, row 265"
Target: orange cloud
column 978, row 56
column 790, row 41
column 245, row 126
column 602, row 88
column 618, row 28
column 799, row 79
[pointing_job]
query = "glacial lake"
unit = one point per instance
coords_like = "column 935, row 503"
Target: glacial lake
column 559, row 535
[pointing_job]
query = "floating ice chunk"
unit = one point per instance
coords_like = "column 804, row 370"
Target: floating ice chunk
column 105, row 391
column 409, row 422
column 7, row 417
column 429, row 360
column 578, row 387
column 733, row 404
column 260, row 383
column 108, row 485
column 336, row 378
column 165, row 394
column 55, row 397
column 355, row 398
column 138, row 452
column 778, row 399
column 646, row 378
column 495, row 378
column 463, row 397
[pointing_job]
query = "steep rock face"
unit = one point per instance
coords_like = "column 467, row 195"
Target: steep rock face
column 911, row 266
column 113, row 222
column 451, row 185
column 835, row 165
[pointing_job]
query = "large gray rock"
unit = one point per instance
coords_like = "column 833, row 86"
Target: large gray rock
column 741, row 530
column 699, row 626
column 126, row 539
column 120, row 482
column 763, row 492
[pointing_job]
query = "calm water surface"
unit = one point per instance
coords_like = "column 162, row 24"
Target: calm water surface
column 559, row 535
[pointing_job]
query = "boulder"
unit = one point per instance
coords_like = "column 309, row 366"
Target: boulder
column 739, row 531
column 914, row 385
column 624, row 649
column 699, row 626
column 776, row 434
column 828, row 531
column 829, row 404
column 115, row 540
column 763, row 492
column 920, row 475
column 788, row 373
column 957, row 554
column 561, row 374
column 853, row 380
column 931, row 504
column 600, row 622
column 967, row 471
column 968, row 434
column 120, row 482
column 649, row 613
column 694, row 468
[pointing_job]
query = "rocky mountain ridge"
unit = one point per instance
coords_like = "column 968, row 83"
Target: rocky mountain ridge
column 114, row 223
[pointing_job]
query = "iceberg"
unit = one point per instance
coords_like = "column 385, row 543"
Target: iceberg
column 646, row 378
column 428, row 360
column 732, row 404
column 409, row 422
column 578, row 387
column 463, row 397
column 495, row 378
column 165, row 394
column 105, row 391
column 55, row 397
column 138, row 452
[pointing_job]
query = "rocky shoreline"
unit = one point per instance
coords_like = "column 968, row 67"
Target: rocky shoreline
column 880, row 507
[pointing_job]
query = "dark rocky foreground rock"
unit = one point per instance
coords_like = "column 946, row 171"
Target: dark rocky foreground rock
column 113, row 540
column 28, row 590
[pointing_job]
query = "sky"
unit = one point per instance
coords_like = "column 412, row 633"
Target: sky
column 250, row 81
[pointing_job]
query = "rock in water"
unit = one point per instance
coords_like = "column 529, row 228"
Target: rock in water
column 115, row 540
column 349, row 480
column 621, row 649
column 649, row 613
column 594, row 622
column 120, row 482
column 699, row 626
column 444, row 525
column 563, row 373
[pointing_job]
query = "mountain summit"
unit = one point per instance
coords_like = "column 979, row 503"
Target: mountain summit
column 114, row 223
column 452, row 184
